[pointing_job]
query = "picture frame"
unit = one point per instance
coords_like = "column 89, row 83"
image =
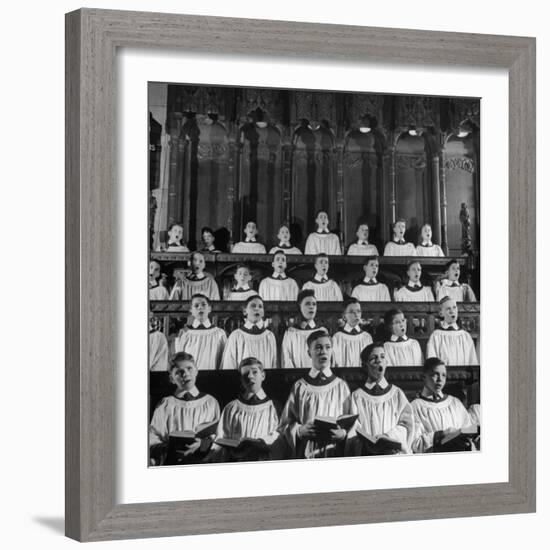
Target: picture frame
column 92, row 39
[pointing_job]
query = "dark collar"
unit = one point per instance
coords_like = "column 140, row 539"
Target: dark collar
column 376, row 393
column 254, row 332
column 432, row 400
column 254, row 400
column 319, row 380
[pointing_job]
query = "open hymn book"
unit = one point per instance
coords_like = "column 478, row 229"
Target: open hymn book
column 185, row 437
column 379, row 445
column 240, row 444
column 345, row 421
column 458, row 440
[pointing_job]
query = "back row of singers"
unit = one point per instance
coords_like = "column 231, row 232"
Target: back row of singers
column 213, row 350
column 280, row 287
column 321, row 416
column 320, row 241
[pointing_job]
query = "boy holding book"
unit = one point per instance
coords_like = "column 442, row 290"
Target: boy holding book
column 248, row 425
column 442, row 421
column 385, row 424
column 318, row 394
column 186, row 410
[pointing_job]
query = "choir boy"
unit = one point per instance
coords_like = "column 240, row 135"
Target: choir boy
column 426, row 246
column 186, row 409
column 452, row 287
column 351, row 339
column 401, row 351
column 201, row 339
column 322, row 240
column 196, row 282
column 252, row 415
column 397, row 246
column 284, row 242
column 250, row 245
column 318, row 393
column 175, row 237
column 326, row 290
column 253, row 339
column 241, row 290
column 437, row 414
column 156, row 290
column 414, row 291
column 279, row 287
column 370, row 289
column 208, row 240
column 158, row 346
column 294, row 348
column 385, row 414
column 453, row 345
column 362, row 247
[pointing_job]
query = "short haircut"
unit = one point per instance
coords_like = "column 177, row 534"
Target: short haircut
column 431, row 363
column 179, row 358
column 399, row 220
column 444, row 300
column 249, row 361
column 390, row 314
column 207, row 229
column 321, row 255
column 175, row 224
column 303, row 294
column 193, row 254
column 412, row 262
column 198, row 295
column 278, row 252
column 365, row 353
column 450, row 263
column 350, row 300
column 370, row 259
column 242, row 266
column 361, row 224
column 321, row 211
column 315, row 335
column 253, row 297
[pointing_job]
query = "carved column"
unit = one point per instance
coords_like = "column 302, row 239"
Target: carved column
column 436, row 199
column 340, row 192
column 393, row 184
column 443, row 186
column 231, row 188
column 287, row 183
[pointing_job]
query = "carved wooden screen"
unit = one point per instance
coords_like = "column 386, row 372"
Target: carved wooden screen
column 460, row 186
column 260, row 192
column 363, row 182
column 207, row 178
column 412, row 184
column 313, row 181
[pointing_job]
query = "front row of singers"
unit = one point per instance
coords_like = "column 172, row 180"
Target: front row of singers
column 321, row 417
column 322, row 240
column 280, row 287
column 212, row 349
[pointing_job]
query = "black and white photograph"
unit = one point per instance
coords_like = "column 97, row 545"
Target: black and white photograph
column 314, row 274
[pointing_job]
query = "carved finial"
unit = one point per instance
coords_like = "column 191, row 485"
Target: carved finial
column 466, row 224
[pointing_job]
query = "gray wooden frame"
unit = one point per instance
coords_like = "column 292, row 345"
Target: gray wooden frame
column 92, row 39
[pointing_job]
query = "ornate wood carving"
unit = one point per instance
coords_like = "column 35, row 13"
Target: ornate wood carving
column 466, row 243
column 460, row 163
